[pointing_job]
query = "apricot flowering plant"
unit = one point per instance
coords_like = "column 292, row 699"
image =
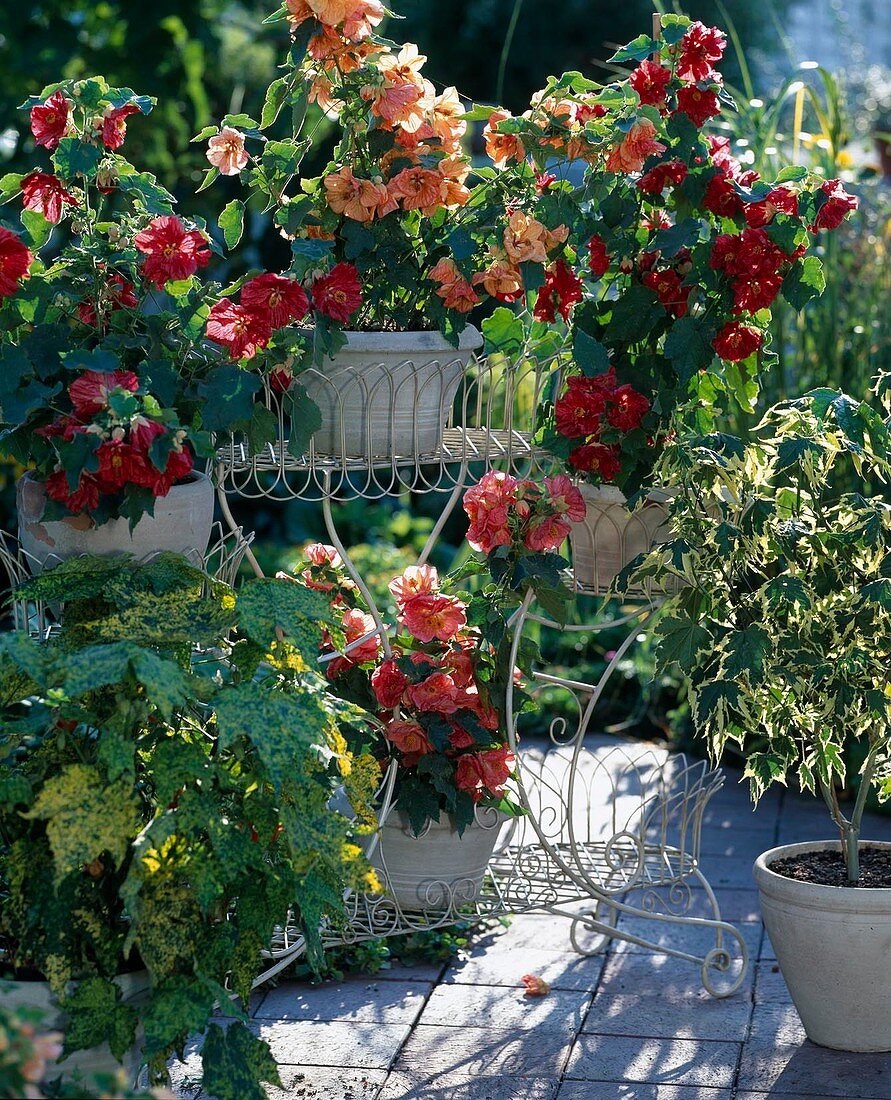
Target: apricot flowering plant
column 674, row 254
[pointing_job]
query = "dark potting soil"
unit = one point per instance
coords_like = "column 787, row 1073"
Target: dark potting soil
column 828, row 868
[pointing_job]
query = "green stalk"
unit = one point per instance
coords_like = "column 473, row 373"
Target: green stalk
column 505, row 50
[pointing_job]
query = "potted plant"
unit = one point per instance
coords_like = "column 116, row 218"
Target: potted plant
column 394, row 243
column 663, row 286
column 101, row 357
column 783, row 628
column 162, row 813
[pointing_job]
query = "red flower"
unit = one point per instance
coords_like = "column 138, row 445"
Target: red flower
column 778, row 201
column 837, row 205
column 49, row 121
column 735, row 342
column 408, row 737
column 84, row 498
column 650, row 81
column 596, row 458
column 760, row 256
column 543, row 181
column 172, row 252
column 89, row 393
column 338, row 294
column 284, row 300
column 280, row 379
column 750, row 295
column 657, row 179
column 239, row 329
column 667, row 284
column 701, row 48
column 721, row 198
column 697, row 105
column 120, row 465
column 579, row 410
column 388, row 682
column 719, row 148
column 598, row 260
column 120, row 295
column 562, row 288
column 15, row 260
column 483, row 773
column 627, row 409
column 114, row 125
column 46, row 194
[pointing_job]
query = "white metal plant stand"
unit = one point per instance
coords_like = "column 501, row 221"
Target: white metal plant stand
column 610, row 840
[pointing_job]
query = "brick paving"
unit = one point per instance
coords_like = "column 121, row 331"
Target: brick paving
column 629, row 1025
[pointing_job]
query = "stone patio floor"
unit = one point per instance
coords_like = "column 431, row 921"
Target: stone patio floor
column 629, row 1025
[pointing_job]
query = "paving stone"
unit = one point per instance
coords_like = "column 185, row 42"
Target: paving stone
column 324, row 1083
column 653, row 1061
column 770, row 984
column 401, row 1086
column 672, row 979
column 497, row 1006
column 735, row 871
column 736, row 905
column 614, row 1090
column 812, row 1071
column 444, row 1053
column 360, row 1000
column 654, row 1017
column 527, row 930
column 359, row 1045
column 398, row 971
column 777, row 1024
column 559, row 970
column 684, row 937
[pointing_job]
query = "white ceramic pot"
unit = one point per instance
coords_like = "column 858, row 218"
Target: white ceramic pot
column 438, row 869
column 182, row 522
column 388, row 394
column 832, row 944
column 610, row 536
column 134, row 988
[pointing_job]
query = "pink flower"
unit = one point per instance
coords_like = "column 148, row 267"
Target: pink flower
column 408, row 737
column 546, row 533
column 486, row 505
column 388, row 682
column 437, row 694
column 432, row 615
column 320, row 553
column 565, row 498
column 417, row 580
column 89, row 393
column 226, row 151
column 483, row 773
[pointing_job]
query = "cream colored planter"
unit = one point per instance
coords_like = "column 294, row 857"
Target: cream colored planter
column 388, row 394
column 609, row 537
column 439, row 869
column 833, row 944
column 182, row 522
column 134, row 988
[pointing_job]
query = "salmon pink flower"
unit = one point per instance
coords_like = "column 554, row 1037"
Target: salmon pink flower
column 417, row 189
column 564, row 497
column 89, row 393
column 408, row 737
column 362, row 20
column 455, row 291
column 356, row 625
column 416, row 580
column 638, row 144
column 433, row 616
column 701, row 49
column 435, row 695
column 113, row 125
column 487, row 506
column 502, row 279
column 526, row 240
column 650, row 81
column 736, row 342
column 46, row 194
column 483, row 773
column 15, row 260
column 546, row 533
column 338, row 294
column 243, row 331
column 280, row 299
column 388, row 682
column 226, row 151
column 51, row 121
column 356, row 198
column 171, row 251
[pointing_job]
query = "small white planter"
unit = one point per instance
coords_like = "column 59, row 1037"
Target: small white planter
column 182, row 522
column 610, row 536
column 388, row 394
column 134, row 988
column 832, row 944
column 439, row 869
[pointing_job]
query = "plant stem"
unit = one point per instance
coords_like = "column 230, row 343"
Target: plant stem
column 505, row 50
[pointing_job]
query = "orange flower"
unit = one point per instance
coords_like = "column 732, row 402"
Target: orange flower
column 446, row 123
column 455, row 291
column 226, row 151
column 638, row 144
column 365, row 17
column 526, row 240
column 357, row 198
column 501, row 279
column 502, row 148
column 417, row 189
column 404, row 67
column 320, row 89
column 333, row 12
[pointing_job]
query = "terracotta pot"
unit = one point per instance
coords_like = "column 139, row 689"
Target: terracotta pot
column 182, row 522
column 388, row 394
column 610, row 536
column 439, row 869
column 832, row 944
column 134, row 988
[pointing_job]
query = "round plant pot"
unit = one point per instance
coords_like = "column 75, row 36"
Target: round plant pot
column 832, row 945
column 438, row 869
column 134, row 988
column 388, row 395
column 182, row 522
column 610, row 536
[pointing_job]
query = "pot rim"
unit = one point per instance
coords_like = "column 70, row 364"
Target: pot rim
column 193, row 477
column 425, row 339
column 814, row 895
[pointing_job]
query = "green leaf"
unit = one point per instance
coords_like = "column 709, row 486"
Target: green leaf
column 38, row 228
column 804, row 281
column 787, row 589
column 234, row 1062
column 689, row 346
column 209, row 176
column 764, row 768
column 671, row 240
column 203, row 135
column 746, row 654
column 227, row 398
column 590, row 356
column 639, row 49
column 267, row 605
column 504, row 332
column 263, row 428
column 791, row 174
column 10, row 185
column 276, row 94
column 680, row 642
column 633, row 315
column 74, row 157
column 94, row 1014
column 178, row 1007
column 306, row 419
column 231, row 221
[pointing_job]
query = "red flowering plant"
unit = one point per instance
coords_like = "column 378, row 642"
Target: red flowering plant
column 105, row 381
column 673, row 252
